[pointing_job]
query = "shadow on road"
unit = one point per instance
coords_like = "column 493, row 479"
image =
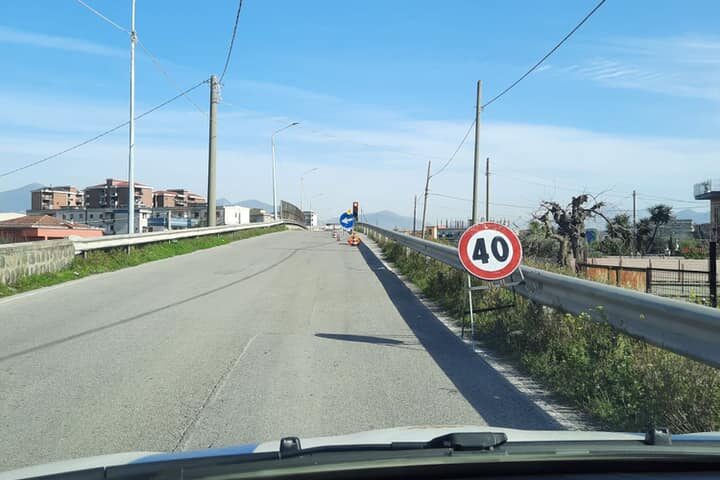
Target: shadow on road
column 360, row 338
column 490, row 394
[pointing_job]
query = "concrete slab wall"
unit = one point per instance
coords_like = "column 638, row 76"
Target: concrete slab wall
column 20, row 259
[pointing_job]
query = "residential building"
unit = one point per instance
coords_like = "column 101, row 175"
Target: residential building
column 173, row 218
column 114, row 194
column 43, row 227
column 710, row 190
column 258, row 215
column 311, row 218
column 676, row 230
column 164, row 199
column 232, row 215
column 111, row 220
column 52, row 198
column 10, row 215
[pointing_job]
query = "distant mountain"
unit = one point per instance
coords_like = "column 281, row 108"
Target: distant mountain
column 696, row 217
column 255, row 204
column 17, row 200
column 384, row 219
column 222, row 202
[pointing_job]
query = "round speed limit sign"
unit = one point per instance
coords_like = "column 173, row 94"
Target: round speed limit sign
column 490, row 251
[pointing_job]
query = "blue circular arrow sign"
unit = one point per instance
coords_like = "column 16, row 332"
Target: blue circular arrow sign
column 347, row 221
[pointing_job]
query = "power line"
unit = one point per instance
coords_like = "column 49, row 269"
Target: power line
column 452, row 157
column 100, row 135
column 655, row 197
column 167, row 76
column 558, row 45
column 232, row 41
column 153, row 58
column 122, row 29
column 511, row 205
column 371, row 145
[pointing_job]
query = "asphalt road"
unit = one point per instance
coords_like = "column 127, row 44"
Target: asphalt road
column 286, row 334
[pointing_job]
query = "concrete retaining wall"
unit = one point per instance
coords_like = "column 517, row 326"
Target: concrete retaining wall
column 28, row 258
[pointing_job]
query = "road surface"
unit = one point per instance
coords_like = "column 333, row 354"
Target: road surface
column 290, row 333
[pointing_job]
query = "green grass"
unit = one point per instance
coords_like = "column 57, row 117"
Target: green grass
column 621, row 382
column 110, row 260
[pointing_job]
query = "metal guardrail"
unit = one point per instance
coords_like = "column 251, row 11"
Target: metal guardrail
column 685, row 328
column 118, row 241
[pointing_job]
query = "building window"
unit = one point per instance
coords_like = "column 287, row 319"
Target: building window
column 92, row 215
column 64, row 218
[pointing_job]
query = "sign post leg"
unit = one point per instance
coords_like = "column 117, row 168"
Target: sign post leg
column 472, row 313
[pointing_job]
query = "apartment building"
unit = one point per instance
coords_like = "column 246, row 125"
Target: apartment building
column 114, row 194
column 111, row 220
column 52, row 198
column 30, row 228
column 177, row 197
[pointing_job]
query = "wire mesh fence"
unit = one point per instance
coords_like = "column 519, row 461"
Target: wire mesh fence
column 288, row 211
column 691, row 285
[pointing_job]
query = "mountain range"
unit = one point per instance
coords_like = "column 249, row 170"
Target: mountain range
column 696, row 217
column 252, row 203
column 17, row 200
column 384, row 219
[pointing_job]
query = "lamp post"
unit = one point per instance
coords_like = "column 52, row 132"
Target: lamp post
column 310, row 206
column 272, row 145
column 301, row 185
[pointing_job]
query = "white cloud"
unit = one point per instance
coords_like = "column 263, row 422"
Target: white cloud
column 382, row 164
column 685, row 66
column 41, row 40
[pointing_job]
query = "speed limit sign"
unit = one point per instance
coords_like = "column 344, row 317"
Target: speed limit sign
column 490, row 251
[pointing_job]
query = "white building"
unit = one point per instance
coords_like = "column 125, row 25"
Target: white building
column 111, row 220
column 232, row 215
column 311, row 218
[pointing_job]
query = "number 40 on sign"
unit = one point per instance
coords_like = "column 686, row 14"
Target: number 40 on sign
column 490, row 251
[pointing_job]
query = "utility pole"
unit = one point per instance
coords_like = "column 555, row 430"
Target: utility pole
column 487, row 189
column 214, row 93
column 427, row 186
column 414, row 214
column 131, row 139
column 476, row 161
column 634, row 238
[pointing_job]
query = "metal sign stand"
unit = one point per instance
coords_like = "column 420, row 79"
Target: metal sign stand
column 470, row 289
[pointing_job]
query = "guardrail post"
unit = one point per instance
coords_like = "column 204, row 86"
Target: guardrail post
column 713, row 274
column 648, row 280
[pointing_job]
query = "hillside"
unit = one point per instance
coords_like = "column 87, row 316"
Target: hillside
column 17, row 200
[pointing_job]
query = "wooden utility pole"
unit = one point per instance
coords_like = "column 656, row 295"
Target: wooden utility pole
column 487, row 189
column 414, row 214
column 476, row 160
column 427, row 187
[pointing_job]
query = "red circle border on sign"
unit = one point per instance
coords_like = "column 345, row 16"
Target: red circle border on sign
column 482, row 274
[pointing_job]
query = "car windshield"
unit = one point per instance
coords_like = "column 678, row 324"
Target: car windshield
column 224, row 223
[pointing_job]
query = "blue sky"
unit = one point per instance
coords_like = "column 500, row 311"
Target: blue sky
column 380, row 88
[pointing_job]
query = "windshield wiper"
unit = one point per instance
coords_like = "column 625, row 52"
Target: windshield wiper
column 474, row 441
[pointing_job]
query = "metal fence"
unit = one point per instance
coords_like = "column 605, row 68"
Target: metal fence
column 682, row 327
column 666, row 282
column 288, row 211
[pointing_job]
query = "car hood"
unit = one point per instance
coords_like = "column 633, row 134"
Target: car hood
column 379, row 437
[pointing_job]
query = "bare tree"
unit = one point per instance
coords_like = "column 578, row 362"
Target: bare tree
column 567, row 226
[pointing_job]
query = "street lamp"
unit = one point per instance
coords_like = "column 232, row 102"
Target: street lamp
column 301, row 185
column 272, row 144
column 310, row 207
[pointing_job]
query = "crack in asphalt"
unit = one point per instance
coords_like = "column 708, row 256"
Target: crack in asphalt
column 216, row 388
column 144, row 314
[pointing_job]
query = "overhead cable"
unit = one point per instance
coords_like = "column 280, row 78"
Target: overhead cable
column 547, row 55
column 114, row 24
column 232, row 41
column 100, row 135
